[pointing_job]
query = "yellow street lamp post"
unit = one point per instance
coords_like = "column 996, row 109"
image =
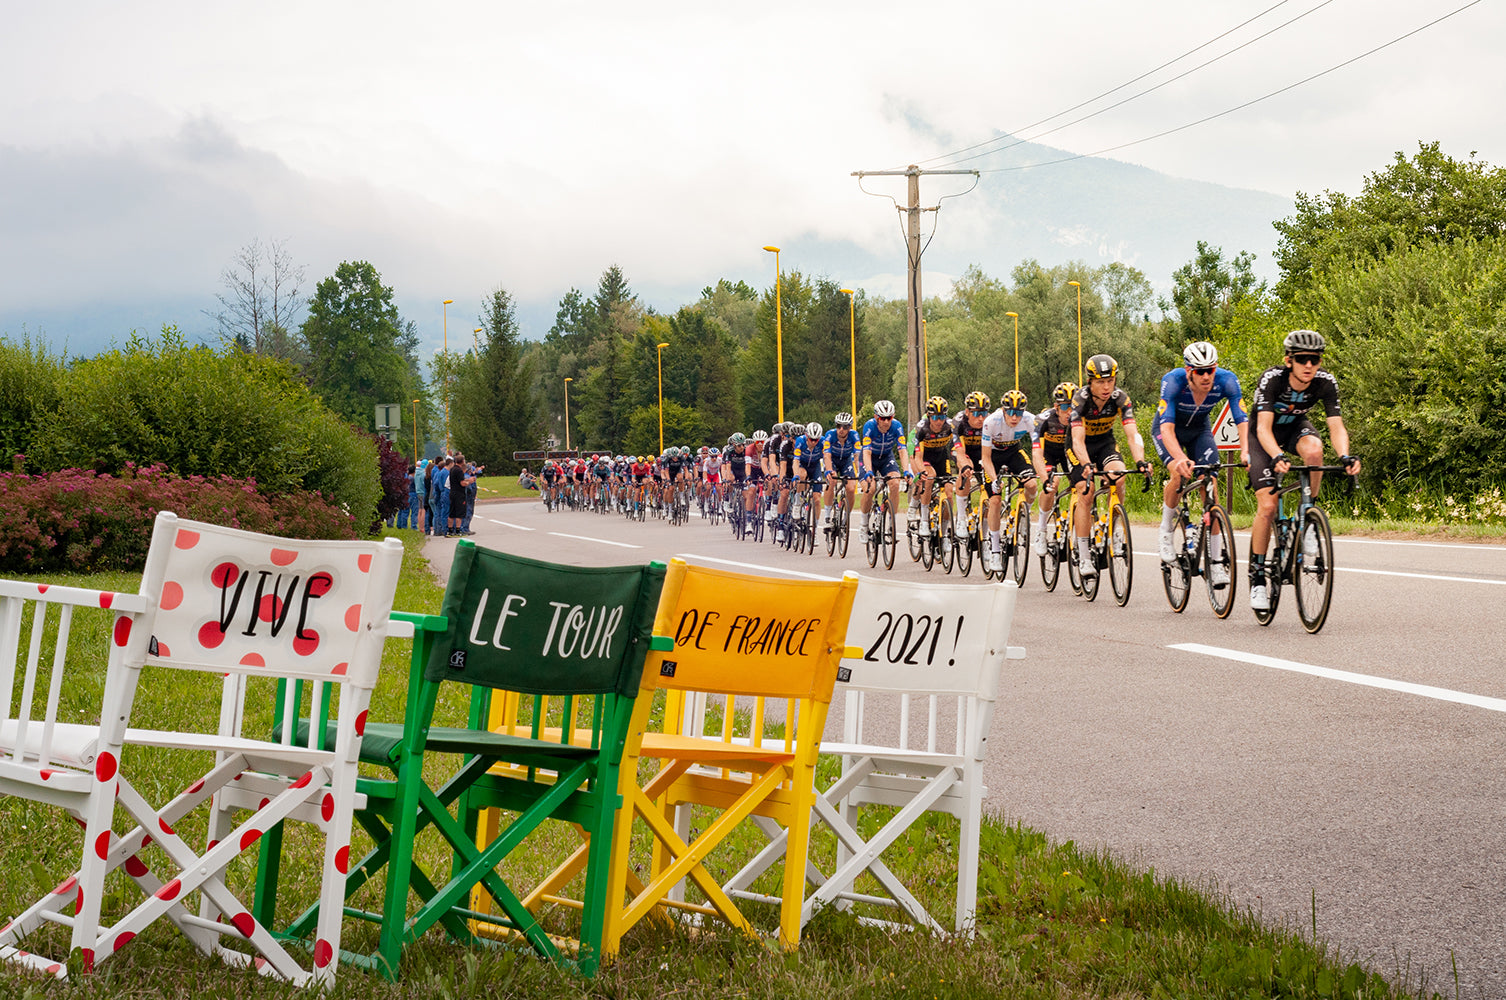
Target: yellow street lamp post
column 1079, row 326
column 446, row 310
column 778, row 333
column 852, row 337
column 1016, row 347
column 567, row 413
column 476, row 338
column 661, row 348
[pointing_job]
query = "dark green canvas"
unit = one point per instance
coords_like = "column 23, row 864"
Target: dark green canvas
column 543, row 628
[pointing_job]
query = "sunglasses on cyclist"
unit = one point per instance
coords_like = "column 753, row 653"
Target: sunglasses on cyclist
column 1013, row 411
column 1203, row 371
column 1307, row 359
column 883, row 418
column 980, row 413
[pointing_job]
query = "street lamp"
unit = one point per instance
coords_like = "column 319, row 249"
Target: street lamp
column 1079, row 326
column 852, row 337
column 446, row 310
column 1016, row 347
column 415, row 431
column 567, row 413
column 778, row 333
column 661, row 348
column 476, row 339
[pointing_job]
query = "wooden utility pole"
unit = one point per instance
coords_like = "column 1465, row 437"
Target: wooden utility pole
column 914, row 354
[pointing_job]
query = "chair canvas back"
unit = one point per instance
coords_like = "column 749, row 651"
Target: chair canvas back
column 937, row 651
column 540, row 628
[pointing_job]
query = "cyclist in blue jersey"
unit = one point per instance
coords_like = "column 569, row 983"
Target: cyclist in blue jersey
column 838, row 449
column 1183, row 438
column 884, row 454
column 809, row 452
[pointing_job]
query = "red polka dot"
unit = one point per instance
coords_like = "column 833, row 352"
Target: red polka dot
column 88, row 954
column 135, row 867
column 47, row 773
column 342, row 859
column 105, row 766
column 54, row 969
column 339, row 669
column 364, row 562
column 353, row 617
column 123, row 939
column 269, row 608
column 305, row 644
column 186, row 539
column 320, row 584
column 244, row 923
column 66, row 887
column 225, row 574
column 162, row 825
column 262, row 804
column 78, row 902
column 102, row 845
column 249, row 837
column 146, row 841
column 253, row 660
column 308, row 776
column 42, row 587
column 105, row 600
column 211, row 635
column 283, row 557
column 171, row 890
column 122, row 630
column 162, row 650
column 172, row 595
column 196, row 786
column 212, row 845
column 327, row 807
column 323, row 953
column 361, row 724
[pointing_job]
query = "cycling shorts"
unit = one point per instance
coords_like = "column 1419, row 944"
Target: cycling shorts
column 1262, row 474
column 1197, row 444
column 886, row 464
column 1100, row 453
column 1014, row 460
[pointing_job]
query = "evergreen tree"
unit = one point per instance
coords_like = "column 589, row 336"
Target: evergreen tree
column 359, row 351
column 494, row 412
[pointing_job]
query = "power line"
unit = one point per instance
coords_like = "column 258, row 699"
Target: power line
column 1039, row 135
column 1114, row 90
column 1239, row 107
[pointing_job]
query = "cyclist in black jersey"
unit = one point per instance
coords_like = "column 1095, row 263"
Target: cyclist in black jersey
column 967, row 448
column 931, row 456
column 1053, row 428
column 1095, row 407
column 1283, row 397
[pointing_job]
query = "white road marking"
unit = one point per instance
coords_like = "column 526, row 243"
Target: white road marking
column 1405, row 687
column 1348, row 540
column 689, row 557
column 599, row 541
column 1381, row 572
column 508, row 524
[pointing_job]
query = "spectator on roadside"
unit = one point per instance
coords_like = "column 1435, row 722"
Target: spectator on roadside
column 416, row 495
column 473, row 475
column 402, row 512
column 442, row 496
column 458, row 486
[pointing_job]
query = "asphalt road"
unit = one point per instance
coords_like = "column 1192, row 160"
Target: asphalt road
column 1363, row 764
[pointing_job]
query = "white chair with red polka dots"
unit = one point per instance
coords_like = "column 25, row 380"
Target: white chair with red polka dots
column 255, row 610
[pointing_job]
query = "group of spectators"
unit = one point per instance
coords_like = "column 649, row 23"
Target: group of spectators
column 441, row 496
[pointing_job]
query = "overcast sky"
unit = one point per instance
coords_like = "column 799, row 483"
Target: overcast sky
column 467, row 145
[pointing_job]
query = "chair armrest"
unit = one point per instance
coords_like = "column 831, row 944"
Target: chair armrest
column 661, row 644
column 1015, row 653
column 415, row 622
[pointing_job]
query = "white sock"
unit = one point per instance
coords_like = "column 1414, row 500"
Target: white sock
column 1168, row 517
column 1082, row 547
column 1045, row 516
column 993, row 540
column 1216, row 546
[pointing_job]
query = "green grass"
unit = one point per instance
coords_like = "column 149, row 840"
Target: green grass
column 492, row 487
column 1054, row 921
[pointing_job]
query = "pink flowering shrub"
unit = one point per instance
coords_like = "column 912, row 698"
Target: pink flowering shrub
column 80, row 520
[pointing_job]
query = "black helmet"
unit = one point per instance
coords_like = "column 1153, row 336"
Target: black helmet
column 1101, row 366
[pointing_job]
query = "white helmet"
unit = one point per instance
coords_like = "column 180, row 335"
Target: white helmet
column 760, row 435
column 813, row 429
column 1200, row 355
column 883, row 408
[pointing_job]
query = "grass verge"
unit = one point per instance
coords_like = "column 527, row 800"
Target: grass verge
column 1054, row 920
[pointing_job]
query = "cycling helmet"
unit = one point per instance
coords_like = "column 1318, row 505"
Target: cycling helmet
column 843, row 419
column 936, row 406
column 1303, row 340
column 1062, row 394
column 883, row 408
column 738, row 439
column 1014, row 399
column 760, row 435
column 978, row 401
column 812, row 430
column 1200, row 355
column 1101, row 366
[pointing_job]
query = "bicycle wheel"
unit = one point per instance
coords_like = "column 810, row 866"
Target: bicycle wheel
column 1090, row 583
column 875, row 533
column 1121, row 554
column 912, row 528
column 928, row 541
column 1019, row 544
column 1314, row 576
column 831, row 529
column 1051, row 564
column 1175, row 575
column 891, row 538
column 944, row 540
column 1221, row 599
column 962, row 547
column 843, row 518
column 1274, row 560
